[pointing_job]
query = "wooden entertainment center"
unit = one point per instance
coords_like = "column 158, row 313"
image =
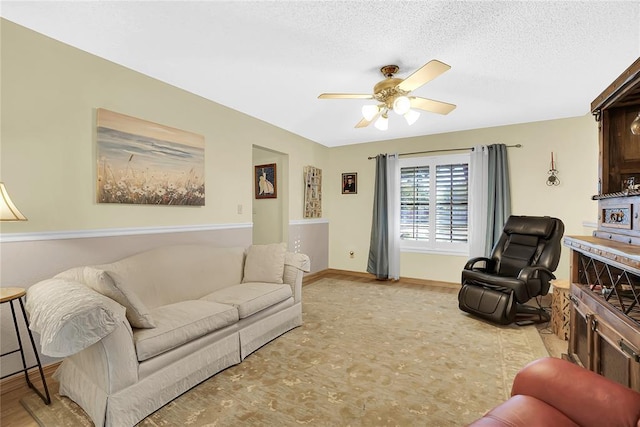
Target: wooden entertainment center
column 605, row 267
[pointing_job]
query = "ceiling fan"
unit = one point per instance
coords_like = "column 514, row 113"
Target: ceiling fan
column 393, row 93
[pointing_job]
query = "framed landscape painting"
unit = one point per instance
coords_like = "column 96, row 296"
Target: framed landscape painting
column 141, row 162
column 265, row 181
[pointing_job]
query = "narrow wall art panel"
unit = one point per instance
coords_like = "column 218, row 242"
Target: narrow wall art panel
column 312, row 192
column 141, row 162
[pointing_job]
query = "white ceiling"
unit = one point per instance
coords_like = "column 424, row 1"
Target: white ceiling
column 512, row 62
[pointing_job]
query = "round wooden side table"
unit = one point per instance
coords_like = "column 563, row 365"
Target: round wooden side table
column 10, row 296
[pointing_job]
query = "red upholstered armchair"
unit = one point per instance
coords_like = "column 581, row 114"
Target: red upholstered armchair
column 552, row 392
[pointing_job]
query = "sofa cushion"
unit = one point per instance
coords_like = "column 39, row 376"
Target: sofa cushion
column 69, row 316
column 100, row 281
column 265, row 263
column 180, row 323
column 170, row 274
column 249, row 298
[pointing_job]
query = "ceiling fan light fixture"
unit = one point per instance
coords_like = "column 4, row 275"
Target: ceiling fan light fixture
column 369, row 111
column 383, row 122
column 401, row 105
column 395, row 94
column 411, row 116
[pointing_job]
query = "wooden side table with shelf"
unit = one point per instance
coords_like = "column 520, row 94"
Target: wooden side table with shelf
column 10, row 296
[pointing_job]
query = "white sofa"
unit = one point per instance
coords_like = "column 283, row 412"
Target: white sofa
column 139, row 332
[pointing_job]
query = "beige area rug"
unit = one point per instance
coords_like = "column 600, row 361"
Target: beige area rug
column 368, row 354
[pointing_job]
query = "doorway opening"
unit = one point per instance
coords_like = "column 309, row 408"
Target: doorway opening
column 271, row 215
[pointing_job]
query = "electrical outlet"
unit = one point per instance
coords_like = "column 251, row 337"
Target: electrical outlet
column 239, row 209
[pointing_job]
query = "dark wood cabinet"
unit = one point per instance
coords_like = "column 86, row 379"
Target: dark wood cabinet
column 605, row 267
column 615, row 109
column 619, row 158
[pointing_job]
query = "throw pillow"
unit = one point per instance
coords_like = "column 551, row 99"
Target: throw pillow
column 265, row 263
column 69, row 316
column 99, row 280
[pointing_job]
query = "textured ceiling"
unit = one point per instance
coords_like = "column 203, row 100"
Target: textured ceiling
column 512, row 62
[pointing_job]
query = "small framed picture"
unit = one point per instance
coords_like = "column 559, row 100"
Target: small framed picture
column 617, row 216
column 350, row 183
column 265, row 181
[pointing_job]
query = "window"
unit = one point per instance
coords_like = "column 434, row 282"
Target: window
column 434, row 204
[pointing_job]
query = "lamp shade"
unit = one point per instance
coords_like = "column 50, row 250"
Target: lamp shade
column 8, row 211
column 370, row 111
column 401, row 105
column 382, row 123
column 411, row 116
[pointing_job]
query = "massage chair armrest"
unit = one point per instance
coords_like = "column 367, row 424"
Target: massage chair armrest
column 489, row 264
column 587, row 398
column 536, row 272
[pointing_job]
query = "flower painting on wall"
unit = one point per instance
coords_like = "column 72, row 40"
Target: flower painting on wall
column 141, row 162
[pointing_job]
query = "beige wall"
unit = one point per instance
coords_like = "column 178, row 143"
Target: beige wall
column 50, row 92
column 49, row 95
column 268, row 214
column 574, row 142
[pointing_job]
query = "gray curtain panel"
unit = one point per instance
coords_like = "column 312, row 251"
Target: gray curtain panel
column 499, row 202
column 378, row 263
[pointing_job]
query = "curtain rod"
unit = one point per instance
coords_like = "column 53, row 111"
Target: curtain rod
column 439, row 151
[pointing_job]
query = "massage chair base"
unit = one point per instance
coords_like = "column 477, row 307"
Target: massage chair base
column 497, row 306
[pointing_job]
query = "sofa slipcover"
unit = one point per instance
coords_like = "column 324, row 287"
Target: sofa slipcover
column 202, row 317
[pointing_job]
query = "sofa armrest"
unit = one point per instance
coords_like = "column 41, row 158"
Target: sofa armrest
column 88, row 328
column 298, row 261
column 110, row 365
column 295, row 265
column 69, row 316
column 585, row 397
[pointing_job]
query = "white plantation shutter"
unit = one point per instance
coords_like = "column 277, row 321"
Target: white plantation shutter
column 452, row 199
column 434, row 204
column 414, row 203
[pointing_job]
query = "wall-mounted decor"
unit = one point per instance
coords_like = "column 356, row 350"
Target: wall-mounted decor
column 141, row 162
column 265, row 181
column 350, row 183
column 553, row 179
column 617, row 216
column 312, row 192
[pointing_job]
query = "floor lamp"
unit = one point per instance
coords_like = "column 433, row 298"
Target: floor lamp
column 8, row 210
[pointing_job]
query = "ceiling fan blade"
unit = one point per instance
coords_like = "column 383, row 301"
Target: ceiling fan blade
column 364, row 122
column 345, row 96
column 431, row 105
column 428, row 72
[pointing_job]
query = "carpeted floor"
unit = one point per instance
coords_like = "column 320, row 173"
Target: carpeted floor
column 368, row 354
